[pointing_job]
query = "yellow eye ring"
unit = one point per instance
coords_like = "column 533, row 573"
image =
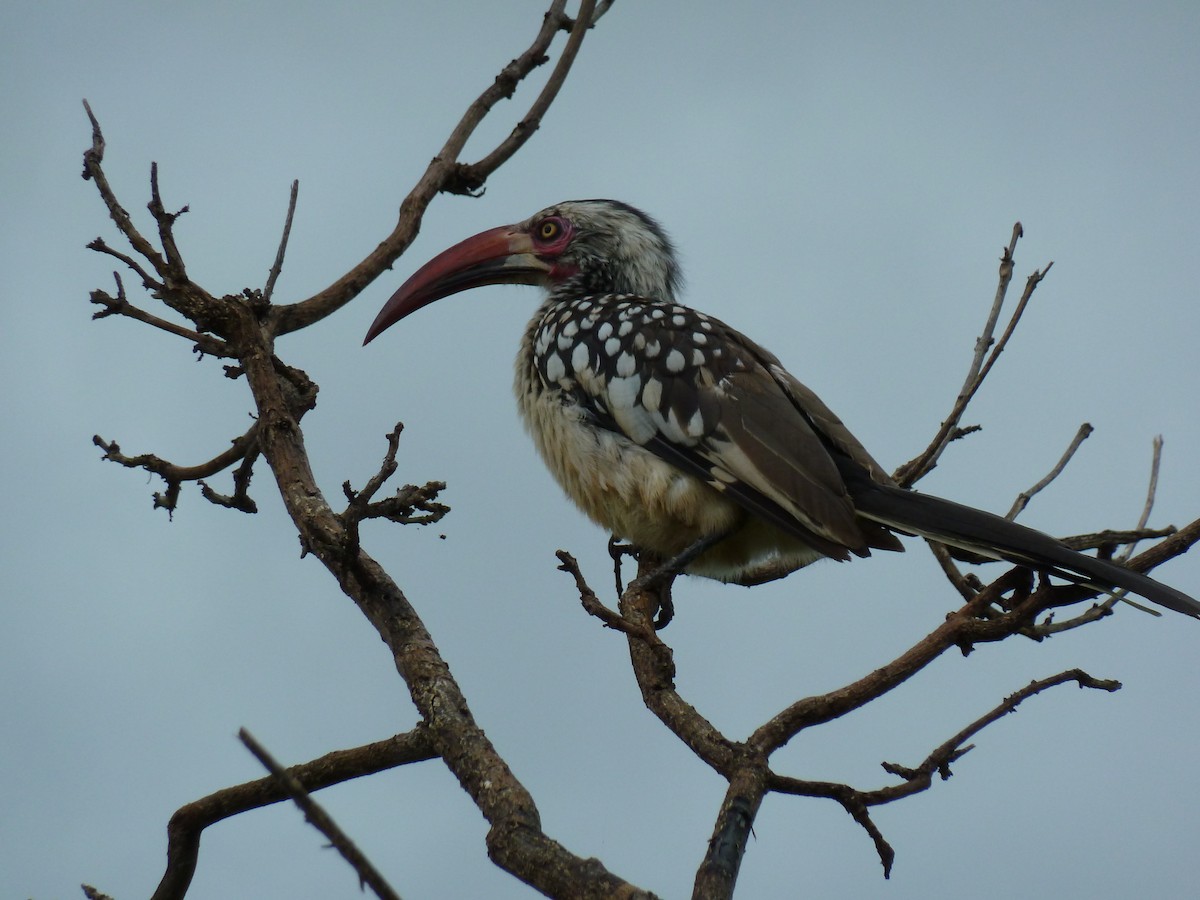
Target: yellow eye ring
column 549, row 230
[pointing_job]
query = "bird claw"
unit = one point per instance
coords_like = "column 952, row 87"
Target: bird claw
column 660, row 578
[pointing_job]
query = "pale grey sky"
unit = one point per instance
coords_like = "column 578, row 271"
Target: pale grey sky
column 840, row 181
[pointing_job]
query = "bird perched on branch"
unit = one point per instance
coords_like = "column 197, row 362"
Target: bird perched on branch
column 678, row 433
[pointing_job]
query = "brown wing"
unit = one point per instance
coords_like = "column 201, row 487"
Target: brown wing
column 711, row 402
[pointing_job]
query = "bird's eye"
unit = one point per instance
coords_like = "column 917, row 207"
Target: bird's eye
column 549, row 229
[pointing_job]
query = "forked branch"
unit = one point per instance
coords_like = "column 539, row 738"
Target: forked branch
column 240, row 449
column 410, row 505
column 445, row 172
column 920, row 778
column 981, row 365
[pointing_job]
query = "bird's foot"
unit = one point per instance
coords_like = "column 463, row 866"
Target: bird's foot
column 618, row 550
column 659, row 579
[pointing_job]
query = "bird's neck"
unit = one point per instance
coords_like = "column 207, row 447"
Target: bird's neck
column 599, row 282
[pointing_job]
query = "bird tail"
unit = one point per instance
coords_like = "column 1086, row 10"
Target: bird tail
column 995, row 537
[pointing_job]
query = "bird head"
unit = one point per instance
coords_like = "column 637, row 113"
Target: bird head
column 578, row 247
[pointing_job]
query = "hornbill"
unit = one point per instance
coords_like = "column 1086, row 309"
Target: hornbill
column 677, row 432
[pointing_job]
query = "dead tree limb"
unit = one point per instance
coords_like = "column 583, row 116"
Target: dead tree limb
column 188, row 822
column 247, row 326
column 316, row 816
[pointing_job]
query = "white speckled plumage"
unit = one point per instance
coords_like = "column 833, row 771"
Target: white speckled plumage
column 601, row 423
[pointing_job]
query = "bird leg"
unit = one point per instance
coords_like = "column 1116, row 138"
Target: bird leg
column 659, row 579
column 617, row 550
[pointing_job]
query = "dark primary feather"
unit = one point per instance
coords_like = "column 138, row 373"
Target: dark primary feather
column 998, row 538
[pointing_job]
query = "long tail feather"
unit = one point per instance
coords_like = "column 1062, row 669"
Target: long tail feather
column 997, row 538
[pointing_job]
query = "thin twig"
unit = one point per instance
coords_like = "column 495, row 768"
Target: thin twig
column 359, row 499
column 277, row 266
column 916, row 468
column 120, row 306
column 1110, row 538
column 601, row 8
column 593, row 606
column 950, row 750
column 982, row 344
column 148, row 281
column 316, row 816
column 1051, row 626
column 176, row 272
column 967, row 589
column 1151, row 492
column 985, row 339
column 398, row 508
column 1123, row 556
column 1024, row 497
column 93, row 171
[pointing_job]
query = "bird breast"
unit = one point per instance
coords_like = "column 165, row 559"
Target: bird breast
column 616, row 483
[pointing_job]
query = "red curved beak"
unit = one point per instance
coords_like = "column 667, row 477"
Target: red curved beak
column 501, row 255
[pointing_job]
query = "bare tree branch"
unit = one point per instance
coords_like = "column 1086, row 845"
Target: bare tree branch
column 942, row 756
column 916, row 468
column 717, row 875
column 277, row 267
column 1175, row 545
column 120, row 306
column 176, row 271
column 652, row 661
column 443, row 173
column 174, row 476
column 985, row 339
column 148, row 280
column 1024, row 497
column 471, row 177
column 92, row 171
column 188, row 822
column 1110, row 538
column 240, row 498
column 282, row 394
column 410, row 505
column 316, row 816
column 920, row 778
column 1151, row 492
